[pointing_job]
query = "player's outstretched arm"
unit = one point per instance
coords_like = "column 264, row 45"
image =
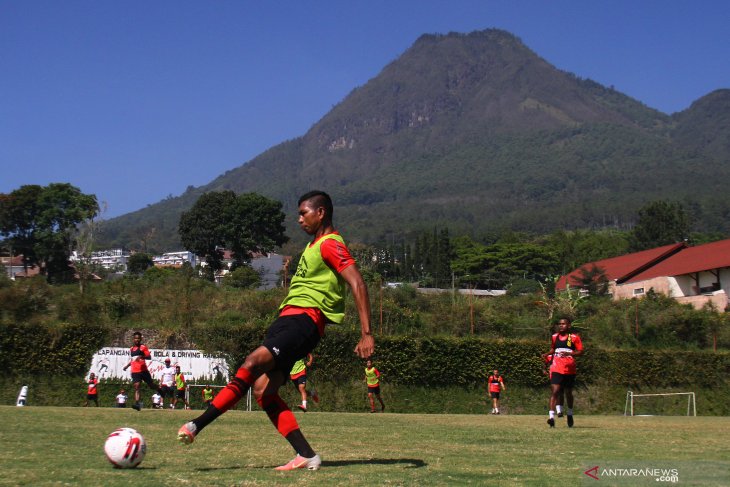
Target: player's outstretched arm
column 366, row 346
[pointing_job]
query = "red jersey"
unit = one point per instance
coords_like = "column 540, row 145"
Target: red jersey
column 338, row 258
column 562, row 343
column 140, row 355
column 92, row 386
column 495, row 383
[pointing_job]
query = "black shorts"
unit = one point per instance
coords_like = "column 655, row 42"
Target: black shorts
column 167, row 391
column 495, row 395
column 92, row 397
column 302, row 379
column 289, row 339
column 180, row 393
column 143, row 377
column 565, row 380
column 374, row 390
column 121, row 404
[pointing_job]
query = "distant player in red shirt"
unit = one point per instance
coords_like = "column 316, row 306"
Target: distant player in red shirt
column 565, row 346
column 91, row 393
column 140, row 354
column 496, row 384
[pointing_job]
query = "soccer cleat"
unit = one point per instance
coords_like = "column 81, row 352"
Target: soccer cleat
column 186, row 433
column 551, row 422
column 302, row 408
column 137, row 406
column 560, row 414
column 570, row 421
column 315, row 396
column 302, row 462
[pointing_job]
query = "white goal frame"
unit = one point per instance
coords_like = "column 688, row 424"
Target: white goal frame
column 201, row 386
column 691, row 405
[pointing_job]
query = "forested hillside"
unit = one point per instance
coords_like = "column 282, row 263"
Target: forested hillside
column 478, row 134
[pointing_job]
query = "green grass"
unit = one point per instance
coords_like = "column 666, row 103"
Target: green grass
column 64, row 446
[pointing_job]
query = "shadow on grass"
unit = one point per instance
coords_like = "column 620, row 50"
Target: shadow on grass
column 408, row 462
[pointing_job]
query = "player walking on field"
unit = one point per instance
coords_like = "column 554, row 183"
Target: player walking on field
column 496, row 384
column 207, row 395
column 316, row 297
column 372, row 378
column 565, row 346
column 167, row 383
column 298, row 376
column 91, row 392
column 180, row 386
column 140, row 373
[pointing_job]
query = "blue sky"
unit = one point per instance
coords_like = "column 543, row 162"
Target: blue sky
column 136, row 100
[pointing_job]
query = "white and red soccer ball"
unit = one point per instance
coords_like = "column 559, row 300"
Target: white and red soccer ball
column 125, row 448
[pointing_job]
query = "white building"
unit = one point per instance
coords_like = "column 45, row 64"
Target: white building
column 175, row 259
column 113, row 259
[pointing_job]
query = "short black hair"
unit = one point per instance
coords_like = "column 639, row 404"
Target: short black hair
column 136, row 333
column 319, row 199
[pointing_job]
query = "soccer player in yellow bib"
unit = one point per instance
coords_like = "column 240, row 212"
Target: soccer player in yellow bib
column 372, row 377
column 316, row 297
column 207, row 395
column 298, row 376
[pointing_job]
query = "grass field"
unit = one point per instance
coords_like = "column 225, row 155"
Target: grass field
column 64, row 446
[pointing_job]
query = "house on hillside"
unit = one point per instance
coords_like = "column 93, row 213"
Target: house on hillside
column 695, row 275
column 175, row 259
column 13, row 267
column 111, row 259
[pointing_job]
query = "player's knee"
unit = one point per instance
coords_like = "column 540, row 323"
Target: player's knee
column 259, row 361
column 258, row 393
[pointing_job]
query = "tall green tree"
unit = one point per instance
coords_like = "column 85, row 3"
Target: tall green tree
column 203, row 229
column 244, row 224
column 139, row 262
column 40, row 223
column 660, row 223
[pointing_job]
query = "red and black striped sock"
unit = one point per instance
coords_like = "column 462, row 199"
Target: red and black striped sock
column 284, row 421
column 227, row 398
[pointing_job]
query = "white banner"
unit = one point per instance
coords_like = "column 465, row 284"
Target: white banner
column 109, row 362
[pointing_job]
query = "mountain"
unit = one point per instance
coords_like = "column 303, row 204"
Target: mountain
column 478, row 133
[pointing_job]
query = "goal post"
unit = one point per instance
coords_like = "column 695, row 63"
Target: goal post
column 629, row 409
column 194, row 395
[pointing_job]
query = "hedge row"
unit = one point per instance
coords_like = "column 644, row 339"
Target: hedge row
column 436, row 361
column 468, row 361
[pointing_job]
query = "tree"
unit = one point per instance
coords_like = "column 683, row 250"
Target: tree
column 244, row 224
column 660, row 223
column 244, row 277
column 40, row 223
column 255, row 225
column 593, row 280
column 83, row 239
column 203, row 229
column 139, row 262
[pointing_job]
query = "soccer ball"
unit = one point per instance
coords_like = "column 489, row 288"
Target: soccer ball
column 125, row 448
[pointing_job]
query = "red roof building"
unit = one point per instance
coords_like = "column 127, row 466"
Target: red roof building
column 694, row 275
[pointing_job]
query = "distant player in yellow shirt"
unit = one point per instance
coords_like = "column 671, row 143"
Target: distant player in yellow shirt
column 372, row 377
column 298, row 376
